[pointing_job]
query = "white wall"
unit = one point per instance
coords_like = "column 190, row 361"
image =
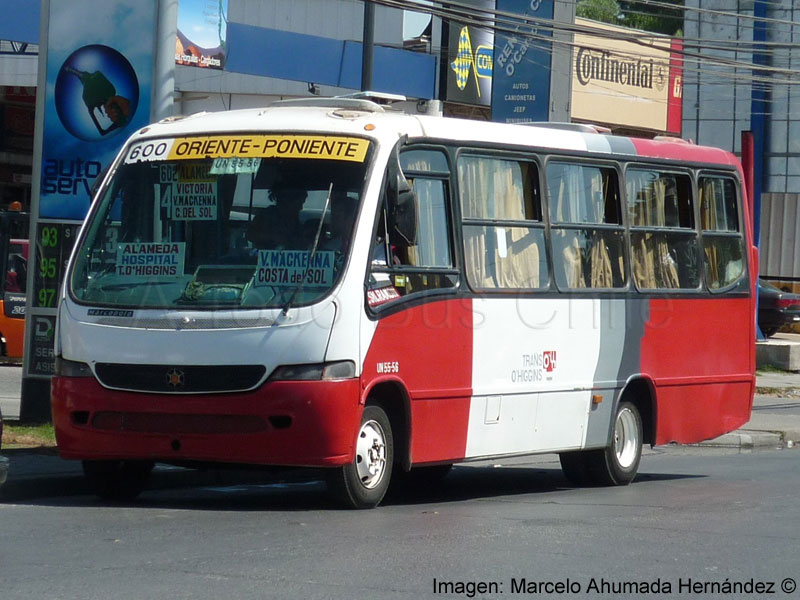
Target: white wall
column 19, row 70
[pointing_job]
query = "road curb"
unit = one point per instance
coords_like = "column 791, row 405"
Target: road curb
column 746, row 440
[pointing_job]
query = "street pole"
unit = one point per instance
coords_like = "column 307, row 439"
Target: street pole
column 162, row 104
column 368, row 43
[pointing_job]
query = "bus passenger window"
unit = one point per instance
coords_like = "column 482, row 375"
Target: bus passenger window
column 723, row 244
column 504, row 242
column 663, row 235
column 587, row 234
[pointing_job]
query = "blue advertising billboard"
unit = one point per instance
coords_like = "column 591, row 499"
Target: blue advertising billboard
column 98, row 87
column 521, row 81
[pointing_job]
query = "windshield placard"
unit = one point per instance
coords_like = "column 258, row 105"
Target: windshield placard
column 138, row 259
column 325, row 147
column 286, row 268
column 191, row 192
column 194, row 201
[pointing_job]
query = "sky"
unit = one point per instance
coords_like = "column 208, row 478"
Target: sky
column 414, row 23
column 198, row 20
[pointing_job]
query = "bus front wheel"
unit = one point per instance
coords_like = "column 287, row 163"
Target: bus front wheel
column 117, row 480
column 363, row 483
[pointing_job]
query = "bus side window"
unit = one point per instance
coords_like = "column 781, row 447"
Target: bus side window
column 504, row 237
column 663, row 236
column 723, row 244
column 399, row 269
column 587, row 232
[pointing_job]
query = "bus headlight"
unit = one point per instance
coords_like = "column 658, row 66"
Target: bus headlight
column 71, row 368
column 344, row 369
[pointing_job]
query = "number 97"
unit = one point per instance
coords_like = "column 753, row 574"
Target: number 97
column 47, row 297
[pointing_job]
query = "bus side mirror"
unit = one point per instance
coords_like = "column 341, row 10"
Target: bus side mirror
column 401, row 202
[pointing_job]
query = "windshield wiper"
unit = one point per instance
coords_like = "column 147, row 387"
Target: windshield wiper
column 311, row 255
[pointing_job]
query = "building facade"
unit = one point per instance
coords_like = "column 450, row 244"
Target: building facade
column 724, row 96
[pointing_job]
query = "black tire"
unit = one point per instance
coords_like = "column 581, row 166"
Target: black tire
column 363, row 483
column 615, row 465
column 117, row 480
column 575, row 466
column 618, row 463
column 769, row 331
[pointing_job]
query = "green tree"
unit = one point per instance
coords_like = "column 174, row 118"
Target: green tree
column 605, row 11
column 635, row 14
column 647, row 17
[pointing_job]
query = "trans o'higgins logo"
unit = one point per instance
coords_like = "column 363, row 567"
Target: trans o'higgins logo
column 466, row 60
column 539, row 366
column 96, row 92
column 600, row 66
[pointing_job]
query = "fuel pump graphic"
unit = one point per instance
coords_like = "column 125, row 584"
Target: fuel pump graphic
column 100, row 96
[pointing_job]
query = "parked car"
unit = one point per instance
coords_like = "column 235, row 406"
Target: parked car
column 776, row 308
column 3, row 459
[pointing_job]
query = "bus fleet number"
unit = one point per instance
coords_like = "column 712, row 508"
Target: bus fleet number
column 147, row 151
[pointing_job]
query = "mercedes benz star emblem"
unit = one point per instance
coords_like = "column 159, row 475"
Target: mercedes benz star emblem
column 176, row 378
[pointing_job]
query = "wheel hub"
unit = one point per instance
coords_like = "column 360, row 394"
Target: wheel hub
column 625, row 438
column 371, row 454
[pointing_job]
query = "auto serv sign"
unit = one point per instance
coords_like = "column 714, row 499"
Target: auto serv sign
column 99, row 70
column 617, row 81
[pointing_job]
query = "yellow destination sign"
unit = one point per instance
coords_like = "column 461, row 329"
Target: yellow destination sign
column 270, row 146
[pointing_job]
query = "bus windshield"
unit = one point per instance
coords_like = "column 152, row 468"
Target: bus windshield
column 226, row 231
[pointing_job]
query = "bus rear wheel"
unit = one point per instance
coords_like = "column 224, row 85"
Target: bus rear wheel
column 117, row 480
column 616, row 464
column 363, row 483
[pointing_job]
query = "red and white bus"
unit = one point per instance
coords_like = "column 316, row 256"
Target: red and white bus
column 330, row 283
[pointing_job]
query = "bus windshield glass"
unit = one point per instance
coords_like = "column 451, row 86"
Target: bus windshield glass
column 235, row 222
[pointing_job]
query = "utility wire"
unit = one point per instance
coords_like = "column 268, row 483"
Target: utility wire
column 711, row 11
column 517, row 24
column 717, row 75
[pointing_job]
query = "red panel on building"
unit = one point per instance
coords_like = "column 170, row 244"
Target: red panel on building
column 675, row 96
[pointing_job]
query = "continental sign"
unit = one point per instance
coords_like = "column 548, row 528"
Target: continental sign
column 619, row 82
column 251, row 146
column 602, row 66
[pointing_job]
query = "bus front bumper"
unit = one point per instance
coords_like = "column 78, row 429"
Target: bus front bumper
column 291, row 423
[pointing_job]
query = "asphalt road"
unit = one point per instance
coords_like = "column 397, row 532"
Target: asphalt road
column 694, row 517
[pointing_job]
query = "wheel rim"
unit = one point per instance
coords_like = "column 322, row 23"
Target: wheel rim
column 626, row 438
column 371, row 454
